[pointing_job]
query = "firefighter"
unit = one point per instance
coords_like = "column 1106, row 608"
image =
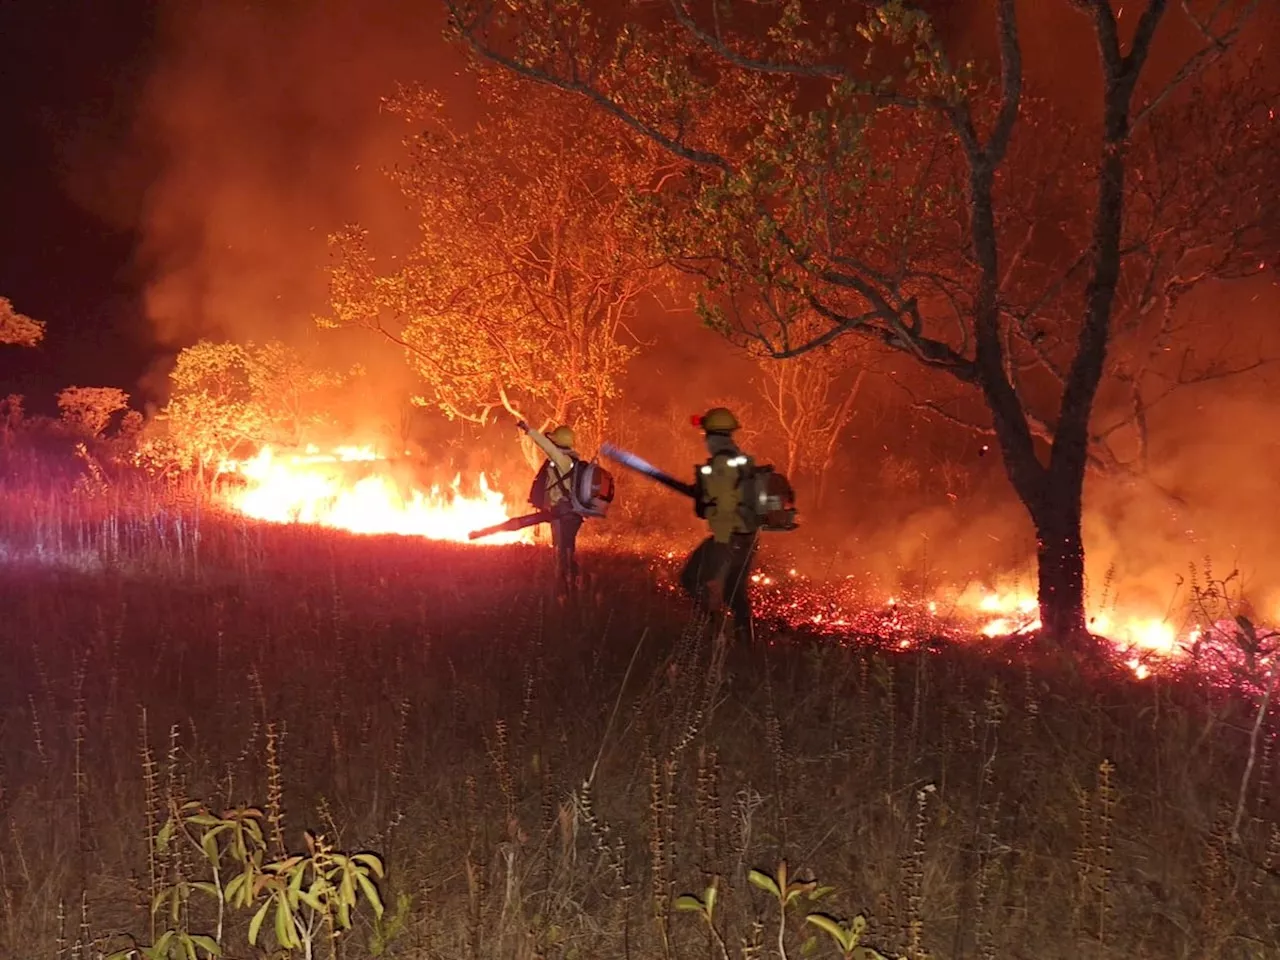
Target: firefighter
column 718, row 571
column 551, row 491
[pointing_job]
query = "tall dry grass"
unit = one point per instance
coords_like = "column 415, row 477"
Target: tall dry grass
column 546, row 781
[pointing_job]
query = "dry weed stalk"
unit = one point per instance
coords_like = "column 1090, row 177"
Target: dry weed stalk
column 38, row 733
column 753, row 942
column 889, row 706
column 61, row 941
column 707, row 812
column 84, row 938
column 397, row 765
column 1085, row 858
column 985, row 843
column 1248, row 639
column 777, row 758
column 915, row 878
column 275, row 790
column 1215, row 877
column 1106, row 823
column 1270, row 859
column 746, row 802
column 660, row 844
column 498, row 756
column 156, row 866
column 80, row 784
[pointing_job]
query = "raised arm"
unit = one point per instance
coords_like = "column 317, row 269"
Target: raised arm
column 560, row 458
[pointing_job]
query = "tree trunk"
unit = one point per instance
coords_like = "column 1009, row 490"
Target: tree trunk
column 1060, row 559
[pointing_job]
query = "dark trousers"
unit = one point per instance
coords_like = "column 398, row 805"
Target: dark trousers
column 722, row 569
column 564, row 537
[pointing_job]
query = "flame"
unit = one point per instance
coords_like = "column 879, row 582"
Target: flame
column 310, row 488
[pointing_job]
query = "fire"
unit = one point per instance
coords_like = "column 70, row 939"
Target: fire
column 313, row 487
column 1016, row 612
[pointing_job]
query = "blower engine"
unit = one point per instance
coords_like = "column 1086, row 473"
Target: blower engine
column 592, row 489
column 771, row 498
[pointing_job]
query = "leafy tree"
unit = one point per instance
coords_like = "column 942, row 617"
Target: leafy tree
column 847, row 165
column 88, row 410
column 228, row 395
column 16, row 329
column 517, row 292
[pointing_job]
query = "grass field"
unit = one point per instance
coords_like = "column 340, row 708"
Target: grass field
column 543, row 781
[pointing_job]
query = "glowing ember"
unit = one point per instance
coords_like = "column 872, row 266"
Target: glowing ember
column 313, row 488
column 842, row 610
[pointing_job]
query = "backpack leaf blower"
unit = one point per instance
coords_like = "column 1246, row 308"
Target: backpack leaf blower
column 515, row 523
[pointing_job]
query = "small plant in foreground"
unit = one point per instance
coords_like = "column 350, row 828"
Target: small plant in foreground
column 313, row 894
column 705, row 907
column 785, row 892
column 847, row 936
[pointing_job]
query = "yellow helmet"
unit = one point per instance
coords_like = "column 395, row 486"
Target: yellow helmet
column 562, row 436
column 719, row 420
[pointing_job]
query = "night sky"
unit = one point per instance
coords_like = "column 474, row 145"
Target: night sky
column 72, row 71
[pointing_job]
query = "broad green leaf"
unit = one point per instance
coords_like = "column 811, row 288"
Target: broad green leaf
column 286, row 936
column 688, row 903
column 207, row 944
column 209, row 844
column 857, row 927
column 370, row 893
column 295, row 884
column 255, row 924
column 764, row 882
column 205, row 887
column 373, row 862
column 347, row 890
column 158, row 900
column 831, row 926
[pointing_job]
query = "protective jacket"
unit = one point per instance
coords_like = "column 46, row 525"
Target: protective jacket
column 561, row 467
column 720, row 501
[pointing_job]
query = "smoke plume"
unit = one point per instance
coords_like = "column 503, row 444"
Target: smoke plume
column 266, row 121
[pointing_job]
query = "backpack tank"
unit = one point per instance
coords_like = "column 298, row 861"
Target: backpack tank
column 593, row 489
column 770, row 498
column 590, row 488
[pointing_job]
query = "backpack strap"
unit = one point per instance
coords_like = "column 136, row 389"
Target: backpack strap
column 564, row 482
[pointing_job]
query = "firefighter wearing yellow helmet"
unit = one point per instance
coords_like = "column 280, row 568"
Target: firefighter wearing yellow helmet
column 718, row 571
column 551, row 492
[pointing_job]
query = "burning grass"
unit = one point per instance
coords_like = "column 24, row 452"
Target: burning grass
column 545, row 781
